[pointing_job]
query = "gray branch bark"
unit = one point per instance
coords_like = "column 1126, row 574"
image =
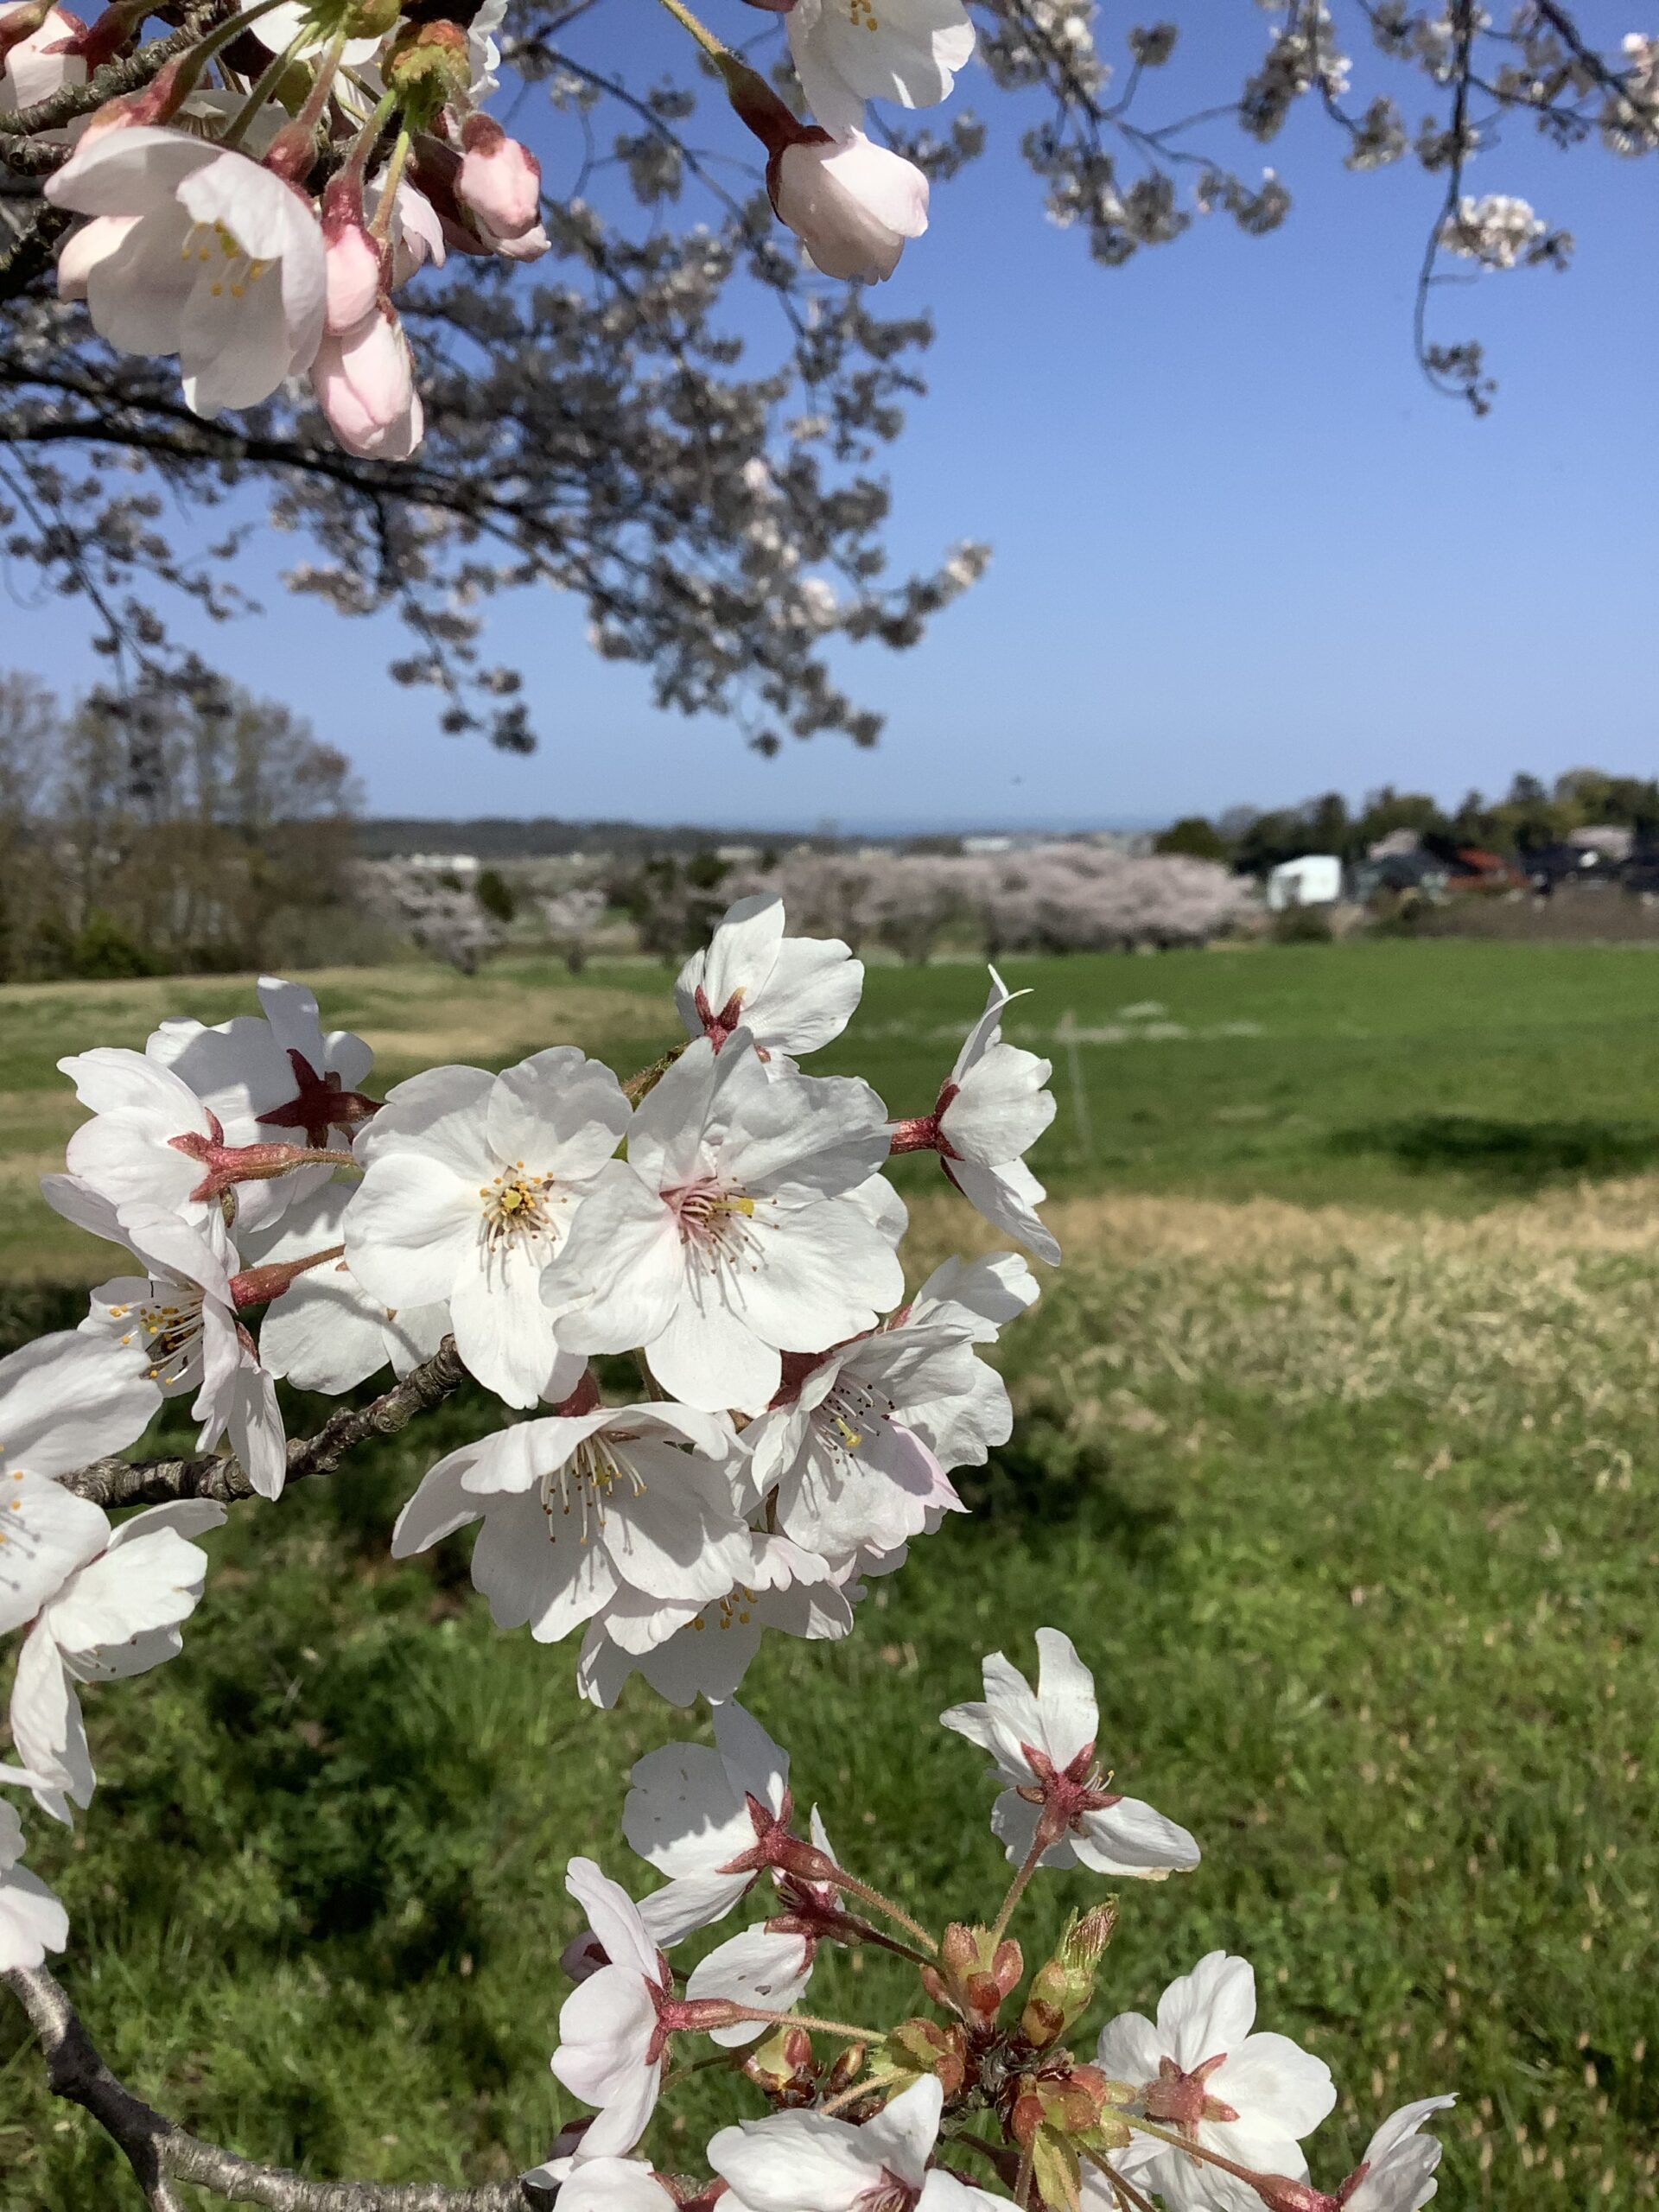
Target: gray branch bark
column 160, row 2154
column 157, row 1482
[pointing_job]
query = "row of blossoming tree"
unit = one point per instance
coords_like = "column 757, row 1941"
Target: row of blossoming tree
column 726, row 1219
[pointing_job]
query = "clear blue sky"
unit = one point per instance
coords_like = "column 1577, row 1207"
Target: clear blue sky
column 1241, row 552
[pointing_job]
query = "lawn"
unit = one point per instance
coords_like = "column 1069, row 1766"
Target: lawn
column 1335, row 1457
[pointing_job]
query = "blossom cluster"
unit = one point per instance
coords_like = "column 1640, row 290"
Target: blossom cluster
column 982, row 2096
column 792, row 1419
column 254, row 207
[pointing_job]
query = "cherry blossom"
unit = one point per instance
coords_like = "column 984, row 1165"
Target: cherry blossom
column 32, row 1922
column 812, row 2162
column 222, row 265
column 846, row 51
column 500, row 182
column 1204, row 2075
column 792, row 994
column 182, row 1315
column 325, row 1332
column 1397, row 2172
column 849, row 1453
column 278, row 1069
column 606, row 2185
column 152, row 1142
column 578, row 1509
column 112, row 1602
column 991, row 1110
column 614, row 2026
column 854, row 206
column 686, row 1651
column 730, row 1235
column 470, row 1183
column 1044, row 1747
column 694, row 1810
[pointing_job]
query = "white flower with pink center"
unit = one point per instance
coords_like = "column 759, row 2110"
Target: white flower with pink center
column 791, row 993
column 732, row 1235
column 1202, row 2075
column 812, row 2162
column 471, row 1184
column 1043, row 1742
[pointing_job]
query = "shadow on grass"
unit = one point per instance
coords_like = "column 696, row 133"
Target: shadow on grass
column 1046, row 1480
column 1522, row 1155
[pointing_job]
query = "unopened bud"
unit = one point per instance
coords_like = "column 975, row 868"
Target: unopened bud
column 984, row 1972
column 782, row 2063
column 848, row 2065
column 500, row 181
column 917, row 2048
column 1062, row 1985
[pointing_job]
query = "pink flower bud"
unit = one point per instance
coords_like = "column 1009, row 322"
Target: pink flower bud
column 352, row 273
column 851, row 203
column 365, row 383
column 500, row 181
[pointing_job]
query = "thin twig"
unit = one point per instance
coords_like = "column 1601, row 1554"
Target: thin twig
column 160, row 2152
column 157, row 1482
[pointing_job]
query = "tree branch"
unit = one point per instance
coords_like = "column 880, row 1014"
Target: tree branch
column 157, row 1482
column 159, row 2153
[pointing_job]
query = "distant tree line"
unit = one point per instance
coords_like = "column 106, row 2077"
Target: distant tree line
column 174, row 830
column 1531, row 817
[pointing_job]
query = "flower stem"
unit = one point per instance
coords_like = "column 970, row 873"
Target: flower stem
column 843, row 1880
column 1017, row 1886
column 1193, row 2149
column 264, row 86
column 1125, row 2191
column 700, row 31
column 848, row 2028
column 380, row 229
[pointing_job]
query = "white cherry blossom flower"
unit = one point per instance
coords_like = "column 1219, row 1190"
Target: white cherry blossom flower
column 692, row 1810
column 686, row 1651
column 1043, row 1743
column 730, row 1234
column 854, row 206
column 150, row 1142
column 812, row 2162
column 614, row 2026
column 277, row 1069
column 980, row 1296
column 325, row 1332
column 1202, row 2074
column 182, row 1315
column 848, row 1450
column 846, row 51
column 471, row 1183
column 611, row 2031
column 990, row 1112
column 32, row 1922
column 791, row 993
column 117, row 1598
column 222, row 263
column 1397, row 2172
column 578, row 1510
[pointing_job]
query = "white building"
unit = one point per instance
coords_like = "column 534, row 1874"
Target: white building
column 1315, row 879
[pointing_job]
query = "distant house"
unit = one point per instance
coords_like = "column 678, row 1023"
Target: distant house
column 1315, row 879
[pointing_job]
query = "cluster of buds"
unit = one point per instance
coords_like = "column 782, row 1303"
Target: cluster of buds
column 254, row 206
column 986, row 2096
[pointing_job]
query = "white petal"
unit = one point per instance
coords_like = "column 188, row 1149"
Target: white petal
column 1271, row 2082
column 32, row 1922
column 757, row 1967
column 154, row 1580
column 45, row 1722
column 1065, row 1692
column 66, row 1399
column 901, row 2135
column 617, row 1275
column 1006, row 1196
column 711, row 1358
column 1131, row 1838
column 1208, row 2012
column 1129, row 2049
column 795, row 2162
column 559, row 1112
column 682, row 1815
column 502, row 1330
column 412, row 1224
column 46, row 1533
column 614, row 1917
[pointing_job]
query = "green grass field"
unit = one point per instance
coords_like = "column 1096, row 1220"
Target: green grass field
column 1335, row 1456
